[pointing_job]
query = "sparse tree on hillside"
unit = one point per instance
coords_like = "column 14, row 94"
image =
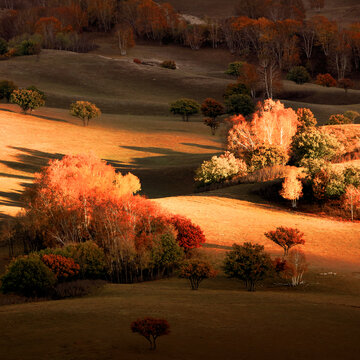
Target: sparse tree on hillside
column 351, row 199
column 150, row 329
column 296, row 266
column 212, row 109
column 125, row 37
column 346, row 84
column 28, row 100
column 84, row 110
column 196, row 270
column 286, row 237
column 249, row 263
column 185, row 108
column 292, row 188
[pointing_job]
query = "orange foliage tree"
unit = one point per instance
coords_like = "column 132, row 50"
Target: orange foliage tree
column 351, row 200
column 48, row 27
column 272, row 124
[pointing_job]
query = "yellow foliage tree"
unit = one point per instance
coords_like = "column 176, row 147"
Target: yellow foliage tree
column 292, row 188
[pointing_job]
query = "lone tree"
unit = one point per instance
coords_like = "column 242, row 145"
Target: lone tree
column 84, row 110
column 196, row 270
column 286, row 237
column 292, row 188
column 150, row 329
column 351, row 200
column 6, row 89
column 249, row 263
column 28, row 100
column 185, row 108
column 212, row 109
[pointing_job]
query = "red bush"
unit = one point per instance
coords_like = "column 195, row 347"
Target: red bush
column 326, row 80
column 151, row 329
column 137, row 61
column 62, row 267
column 189, row 236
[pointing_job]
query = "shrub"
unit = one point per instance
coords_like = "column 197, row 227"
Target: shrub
column 196, row 270
column 313, row 144
column 150, row 329
column 6, row 89
column 220, row 168
column 137, row 61
column 240, row 105
column 351, row 115
column 3, row 46
column 166, row 253
column 28, row 276
column 28, row 100
column 212, row 108
column 264, row 156
column 249, row 263
column 325, row 80
column 63, row 268
column 34, row 88
column 296, row 266
column 169, row 64
column 286, row 237
column 213, row 124
column 85, row 111
column 236, row 89
column 28, row 47
column 76, row 288
column 338, row 119
column 352, row 176
column 91, row 259
column 189, row 235
column 185, row 108
column 346, row 84
column 328, row 183
column 234, row 69
column 306, row 119
column 299, row 75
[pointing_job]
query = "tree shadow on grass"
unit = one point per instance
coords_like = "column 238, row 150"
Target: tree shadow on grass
column 208, row 147
column 36, row 115
column 168, row 173
column 29, row 160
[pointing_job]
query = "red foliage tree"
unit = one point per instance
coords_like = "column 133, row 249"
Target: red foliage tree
column 150, row 329
column 325, row 80
column 62, row 267
column 286, row 237
column 189, row 235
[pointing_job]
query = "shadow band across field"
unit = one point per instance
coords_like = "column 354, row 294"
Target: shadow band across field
column 157, row 178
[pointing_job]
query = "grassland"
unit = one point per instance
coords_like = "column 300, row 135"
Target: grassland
column 136, row 133
column 219, row 321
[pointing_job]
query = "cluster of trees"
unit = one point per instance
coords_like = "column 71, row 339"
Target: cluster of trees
column 81, row 198
column 31, row 98
column 275, row 135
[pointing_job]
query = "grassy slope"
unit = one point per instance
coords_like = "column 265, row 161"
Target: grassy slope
column 219, row 321
column 235, row 215
column 162, row 151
